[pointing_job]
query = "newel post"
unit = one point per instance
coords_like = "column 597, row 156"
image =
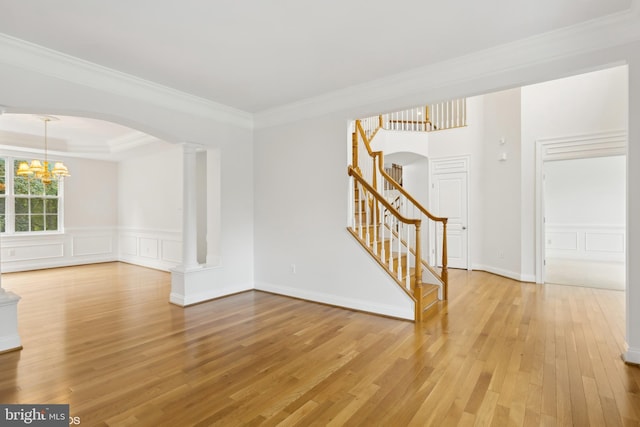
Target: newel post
column 445, row 258
column 354, row 147
column 417, row 289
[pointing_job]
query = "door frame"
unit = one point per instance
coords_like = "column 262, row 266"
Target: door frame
column 600, row 144
column 442, row 166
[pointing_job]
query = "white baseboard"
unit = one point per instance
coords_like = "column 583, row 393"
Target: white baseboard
column 44, row 264
column 338, row 301
column 149, row 263
column 184, row 301
column 632, row 355
column 506, row 273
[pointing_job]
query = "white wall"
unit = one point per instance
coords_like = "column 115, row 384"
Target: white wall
column 89, row 196
column 586, row 191
column 392, row 141
column 149, row 193
column 585, row 208
column 415, row 179
column 149, row 190
column 501, row 182
column 301, row 218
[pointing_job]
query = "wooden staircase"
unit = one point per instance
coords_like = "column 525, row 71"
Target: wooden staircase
column 392, row 231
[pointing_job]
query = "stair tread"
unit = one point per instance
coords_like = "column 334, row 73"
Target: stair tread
column 429, row 288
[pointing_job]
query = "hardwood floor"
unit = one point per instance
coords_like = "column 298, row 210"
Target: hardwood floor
column 104, row 339
column 591, row 274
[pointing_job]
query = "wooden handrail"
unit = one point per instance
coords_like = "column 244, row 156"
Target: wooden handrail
column 363, row 135
column 379, row 197
column 380, row 156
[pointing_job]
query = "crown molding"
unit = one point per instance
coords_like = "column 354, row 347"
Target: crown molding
column 33, row 57
column 601, row 33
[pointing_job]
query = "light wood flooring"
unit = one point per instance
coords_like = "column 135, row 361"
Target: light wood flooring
column 104, row 339
column 592, row 274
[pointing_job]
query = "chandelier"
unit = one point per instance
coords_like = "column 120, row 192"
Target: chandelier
column 41, row 170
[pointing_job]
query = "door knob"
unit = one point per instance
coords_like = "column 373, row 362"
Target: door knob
column 464, row 228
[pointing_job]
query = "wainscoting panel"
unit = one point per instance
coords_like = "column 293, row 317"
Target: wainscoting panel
column 148, row 247
column 586, row 242
column 73, row 247
column 92, row 245
column 604, row 242
column 33, row 251
column 128, row 245
column 562, row 240
column 159, row 249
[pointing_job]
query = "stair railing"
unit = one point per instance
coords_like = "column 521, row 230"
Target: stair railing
column 425, row 118
column 388, row 235
column 410, row 208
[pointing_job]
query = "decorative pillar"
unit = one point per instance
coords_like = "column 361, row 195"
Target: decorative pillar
column 189, row 209
column 632, row 353
column 185, row 277
column 9, row 337
column 213, row 207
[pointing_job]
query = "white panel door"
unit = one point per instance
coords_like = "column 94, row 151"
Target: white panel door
column 450, row 201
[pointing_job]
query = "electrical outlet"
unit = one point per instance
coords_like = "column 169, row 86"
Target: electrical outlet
column 500, row 254
column 293, row 269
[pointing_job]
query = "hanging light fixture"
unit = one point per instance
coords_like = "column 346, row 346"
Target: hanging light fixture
column 41, row 170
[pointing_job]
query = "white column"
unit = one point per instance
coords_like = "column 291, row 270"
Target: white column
column 632, row 353
column 213, row 207
column 9, row 338
column 185, row 283
column 189, row 209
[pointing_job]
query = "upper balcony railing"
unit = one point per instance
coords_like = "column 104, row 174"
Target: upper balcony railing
column 425, row 118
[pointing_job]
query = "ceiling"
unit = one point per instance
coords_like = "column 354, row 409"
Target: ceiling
column 255, row 55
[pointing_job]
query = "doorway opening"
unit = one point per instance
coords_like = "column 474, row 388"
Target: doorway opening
column 580, row 210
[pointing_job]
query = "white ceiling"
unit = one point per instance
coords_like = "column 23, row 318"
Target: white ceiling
column 256, row 55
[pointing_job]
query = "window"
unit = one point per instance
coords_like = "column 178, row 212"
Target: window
column 27, row 205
